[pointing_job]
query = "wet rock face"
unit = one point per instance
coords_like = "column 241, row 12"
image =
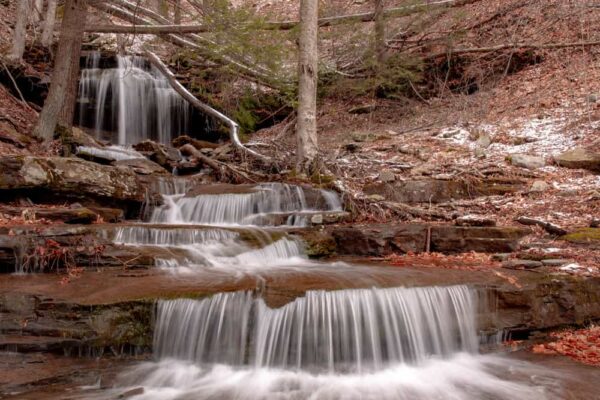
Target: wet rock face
column 70, row 176
column 552, row 302
column 165, row 156
column 440, row 191
column 381, row 240
column 579, row 158
column 32, row 323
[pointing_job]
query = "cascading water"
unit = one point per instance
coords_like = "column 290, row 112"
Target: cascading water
column 395, row 343
column 254, row 208
column 132, row 100
column 348, row 330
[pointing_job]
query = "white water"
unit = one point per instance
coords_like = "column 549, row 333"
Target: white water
column 461, row 377
column 347, row 330
column 398, row 343
column 140, row 101
column 215, row 249
column 141, row 235
column 255, row 208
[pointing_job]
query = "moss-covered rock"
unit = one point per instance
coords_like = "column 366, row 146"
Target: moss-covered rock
column 587, row 235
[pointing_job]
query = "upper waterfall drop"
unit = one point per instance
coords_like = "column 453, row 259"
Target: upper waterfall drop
column 133, row 100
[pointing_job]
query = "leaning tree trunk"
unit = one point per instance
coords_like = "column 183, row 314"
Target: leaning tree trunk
column 18, row 45
column 71, row 30
column 49, row 23
column 306, row 127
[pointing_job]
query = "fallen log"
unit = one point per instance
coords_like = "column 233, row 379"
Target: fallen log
column 178, row 87
column 547, row 226
column 269, row 25
column 515, row 46
column 224, row 171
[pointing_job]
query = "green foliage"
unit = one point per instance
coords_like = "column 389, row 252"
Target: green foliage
column 237, row 32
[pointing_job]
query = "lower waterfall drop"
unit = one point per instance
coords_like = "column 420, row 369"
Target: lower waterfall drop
column 357, row 344
column 349, row 330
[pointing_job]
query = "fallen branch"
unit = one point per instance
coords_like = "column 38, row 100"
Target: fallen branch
column 514, row 47
column 12, row 79
column 178, row 87
column 270, row 25
column 547, row 226
column 401, row 209
column 225, row 171
column 261, row 77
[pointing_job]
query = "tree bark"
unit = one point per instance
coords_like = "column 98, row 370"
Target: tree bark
column 70, row 35
column 18, row 47
column 380, row 47
column 177, row 12
column 47, row 33
column 67, row 112
column 306, row 127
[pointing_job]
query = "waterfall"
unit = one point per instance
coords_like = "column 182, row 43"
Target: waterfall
column 140, row 102
column 140, row 235
column 258, row 207
column 347, row 330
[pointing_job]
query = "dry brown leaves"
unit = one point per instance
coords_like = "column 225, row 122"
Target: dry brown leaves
column 467, row 261
column 582, row 345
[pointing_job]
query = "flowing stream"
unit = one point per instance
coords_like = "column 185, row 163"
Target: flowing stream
column 370, row 343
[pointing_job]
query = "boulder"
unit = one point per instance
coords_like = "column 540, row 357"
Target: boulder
column 69, row 176
column 387, row 175
column 579, row 158
column 460, row 239
column 521, row 264
column 538, row 187
column 527, row 161
column 142, row 166
column 475, row 220
column 384, row 239
column 484, row 141
column 167, row 157
column 77, row 215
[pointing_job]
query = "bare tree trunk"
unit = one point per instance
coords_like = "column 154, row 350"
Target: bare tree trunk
column 70, row 35
column 18, row 47
column 379, row 32
column 306, row 127
column 67, row 112
column 177, row 16
column 47, row 33
column 36, row 15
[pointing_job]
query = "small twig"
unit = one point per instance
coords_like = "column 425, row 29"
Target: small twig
column 16, row 86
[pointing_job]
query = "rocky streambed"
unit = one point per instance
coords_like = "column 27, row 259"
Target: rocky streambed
column 87, row 249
